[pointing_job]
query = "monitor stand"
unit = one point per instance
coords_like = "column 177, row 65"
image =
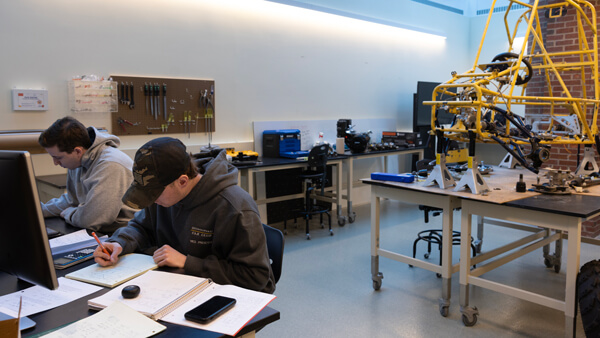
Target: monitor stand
column 24, row 323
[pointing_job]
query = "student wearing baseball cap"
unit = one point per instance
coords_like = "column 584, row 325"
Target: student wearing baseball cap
column 193, row 216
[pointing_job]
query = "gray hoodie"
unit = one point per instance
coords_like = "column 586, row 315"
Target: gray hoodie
column 94, row 190
column 217, row 225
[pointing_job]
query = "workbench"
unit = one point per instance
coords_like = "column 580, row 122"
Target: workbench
column 248, row 180
column 543, row 219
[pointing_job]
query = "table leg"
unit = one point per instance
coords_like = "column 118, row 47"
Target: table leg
column 469, row 313
column 338, row 193
column 375, row 274
column 479, row 241
column 572, row 269
column 351, row 214
column 447, row 231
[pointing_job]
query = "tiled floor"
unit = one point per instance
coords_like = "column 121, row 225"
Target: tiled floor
column 326, row 287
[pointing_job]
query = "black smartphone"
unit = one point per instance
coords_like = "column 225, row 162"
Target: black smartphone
column 209, row 310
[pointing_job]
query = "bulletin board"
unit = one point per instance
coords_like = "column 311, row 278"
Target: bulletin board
column 153, row 105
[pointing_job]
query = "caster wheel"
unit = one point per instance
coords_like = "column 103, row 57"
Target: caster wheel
column 330, row 232
column 376, row 285
column 426, row 256
column 352, row 218
column 467, row 322
column 322, row 226
column 547, row 263
column 410, row 265
column 557, row 268
column 285, row 232
column 341, row 221
column 307, row 236
column 438, row 275
column 444, row 310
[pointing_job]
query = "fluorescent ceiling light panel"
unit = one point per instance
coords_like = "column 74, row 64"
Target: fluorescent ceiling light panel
column 358, row 17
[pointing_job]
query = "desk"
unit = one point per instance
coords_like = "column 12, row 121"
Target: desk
column 78, row 309
column 247, row 173
column 501, row 203
column 559, row 213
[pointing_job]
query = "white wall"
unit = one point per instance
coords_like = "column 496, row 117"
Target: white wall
column 269, row 61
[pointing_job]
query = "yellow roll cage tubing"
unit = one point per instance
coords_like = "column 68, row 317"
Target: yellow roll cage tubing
column 475, row 92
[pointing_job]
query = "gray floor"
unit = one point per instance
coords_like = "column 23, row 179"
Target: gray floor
column 326, row 287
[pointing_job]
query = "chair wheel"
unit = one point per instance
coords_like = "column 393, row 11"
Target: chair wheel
column 307, row 236
column 426, row 255
column 330, row 232
column 468, row 322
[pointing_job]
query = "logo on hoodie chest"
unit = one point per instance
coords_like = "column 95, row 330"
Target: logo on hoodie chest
column 201, row 236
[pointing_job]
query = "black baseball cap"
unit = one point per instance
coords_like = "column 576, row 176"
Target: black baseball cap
column 157, row 164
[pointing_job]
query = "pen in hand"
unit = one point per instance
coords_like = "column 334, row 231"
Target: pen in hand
column 100, row 244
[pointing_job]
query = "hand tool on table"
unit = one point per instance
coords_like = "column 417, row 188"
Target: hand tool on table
column 165, row 99
column 146, row 95
column 131, row 101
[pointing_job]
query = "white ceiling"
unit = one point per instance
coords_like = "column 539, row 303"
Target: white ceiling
column 468, row 7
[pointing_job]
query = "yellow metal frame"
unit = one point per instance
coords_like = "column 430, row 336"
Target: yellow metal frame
column 475, row 93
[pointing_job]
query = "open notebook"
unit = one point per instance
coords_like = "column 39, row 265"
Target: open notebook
column 167, row 296
column 128, row 267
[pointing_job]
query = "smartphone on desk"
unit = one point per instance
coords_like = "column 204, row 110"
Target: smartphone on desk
column 209, row 310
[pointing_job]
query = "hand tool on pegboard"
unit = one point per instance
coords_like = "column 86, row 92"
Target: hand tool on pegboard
column 146, row 96
column 210, row 113
column 151, row 94
column 156, row 97
column 120, row 91
column 126, row 97
column 165, row 99
column 131, row 101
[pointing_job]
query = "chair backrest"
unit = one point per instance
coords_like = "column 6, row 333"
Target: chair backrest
column 275, row 243
column 317, row 157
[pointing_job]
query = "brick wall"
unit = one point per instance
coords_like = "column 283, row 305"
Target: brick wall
column 560, row 34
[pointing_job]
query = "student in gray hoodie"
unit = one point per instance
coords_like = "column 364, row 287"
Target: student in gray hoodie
column 98, row 175
column 202, row 222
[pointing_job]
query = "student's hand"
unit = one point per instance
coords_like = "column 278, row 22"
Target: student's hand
column 167, row 256
column 105, row 260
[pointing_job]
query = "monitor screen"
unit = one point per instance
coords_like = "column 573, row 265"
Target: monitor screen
column 24, row 248
column 421, row 112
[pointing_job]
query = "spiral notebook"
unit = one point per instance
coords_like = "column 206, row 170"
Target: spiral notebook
column 160, row 293
column 128, row 267
column 167, row 296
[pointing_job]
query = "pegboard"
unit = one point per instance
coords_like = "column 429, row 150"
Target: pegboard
column 190, row 106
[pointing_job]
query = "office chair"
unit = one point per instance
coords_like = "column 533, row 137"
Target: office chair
column 314, row 178
column 275, row 244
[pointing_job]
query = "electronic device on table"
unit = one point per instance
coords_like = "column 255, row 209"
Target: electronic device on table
column 70, row 258
column 282, row 143
column 24, row 247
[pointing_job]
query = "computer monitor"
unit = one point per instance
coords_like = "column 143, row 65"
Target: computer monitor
column 24, row 247
column 422, row 113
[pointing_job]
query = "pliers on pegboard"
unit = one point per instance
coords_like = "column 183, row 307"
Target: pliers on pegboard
column 122, row 122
